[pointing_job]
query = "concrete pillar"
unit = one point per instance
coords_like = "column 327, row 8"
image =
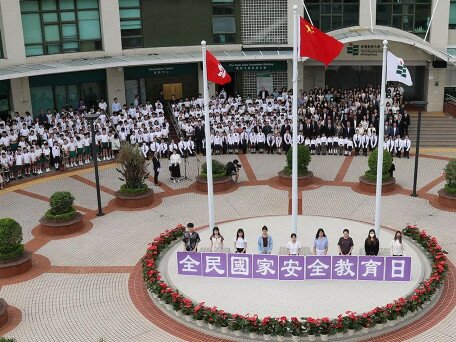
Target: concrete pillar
column 11, row 28
column 435, row 89
column 110, row 26
column 438, row 36
column 290, row 5
column 20, row 92
column 210, row 85
column 115, row 82
column 365, row 9
column 314, row 76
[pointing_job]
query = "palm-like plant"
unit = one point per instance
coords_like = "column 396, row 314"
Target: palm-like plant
column 133, row 168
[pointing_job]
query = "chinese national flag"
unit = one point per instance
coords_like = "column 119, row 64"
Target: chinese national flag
column 316, row 44
column 215, row 71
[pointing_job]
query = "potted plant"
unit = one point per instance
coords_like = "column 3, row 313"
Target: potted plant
column 14, row 259
column 266, row 328
column 133, row 167
column 296, row 329
column 62, row 218
column 221, row 181
column 253, row 326
column 311, row 325
column 351, row 322
column 187, row 309
column 447, row 195
column 237, row 324
column 368, row 182
column 223, row 320
column 305, row 176
column 324, row 328
column 199, row 313
column 379, row 317
column 211, row 317
column 280, row 327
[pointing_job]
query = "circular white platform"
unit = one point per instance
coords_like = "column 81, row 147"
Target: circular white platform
column 316, row 298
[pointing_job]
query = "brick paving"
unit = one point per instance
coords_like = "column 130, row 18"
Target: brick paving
column 88, row 286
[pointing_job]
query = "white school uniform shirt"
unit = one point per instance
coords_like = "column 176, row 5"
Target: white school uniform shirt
column 293, row 248
column 163, row 147
column 38, row 153
column 373, row 141
column 278, row 141
column 133, row 139
column 307, row 142
column 396, row 247
column 318, row 141
column 270, row 140
column 364, row 141
column 408, row 144
column 27, row 158
column 181, row 146
column 253, row 137
column 330, row 140
column 144, row 149
column 47, row 152
column 397, row 145
column 300, row 139
column 287, row 138
column 323, row 140
column 261, row 138
column 240, row 242
column 349, row 143
column 19, row 159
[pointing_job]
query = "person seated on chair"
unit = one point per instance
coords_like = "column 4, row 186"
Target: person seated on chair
column 232, row 169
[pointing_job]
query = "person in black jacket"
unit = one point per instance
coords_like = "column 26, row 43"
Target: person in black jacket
column 157, row 166
column 199, row 137
column 371, row 245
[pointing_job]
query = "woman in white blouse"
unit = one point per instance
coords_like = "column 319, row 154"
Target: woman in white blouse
column 216, row 241
column 397, row 247
column 174, row 166
column 293, row 246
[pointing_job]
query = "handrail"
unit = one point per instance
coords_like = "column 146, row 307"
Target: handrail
column 173, row 120
column 450, row 98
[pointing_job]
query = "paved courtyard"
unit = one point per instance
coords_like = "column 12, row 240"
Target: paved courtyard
column 86, row 286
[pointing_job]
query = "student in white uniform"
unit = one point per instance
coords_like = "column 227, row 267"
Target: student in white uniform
column 293, row 246
column 407, row 146
column 278, row 143
column 240, row 243
column 364, row 143
column 373, row 141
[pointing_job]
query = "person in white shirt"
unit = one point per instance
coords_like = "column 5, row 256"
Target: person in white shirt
column 278, row 143
column 293, row 246
column 407, row 145
column 56, row 156
column 261, row 140
column 181, row 148
column 323, row 144
column 252, row 141
column 27, row 159
column 174, row 166
column 397, row 246
column 364, row 143
column 240, row 243
column 373, row 141
column 270, row 142
column 398, row 147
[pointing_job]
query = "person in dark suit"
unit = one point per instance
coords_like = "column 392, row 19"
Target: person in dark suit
column 394, row 131
column 405, row 123
column 199, row 137
column 349, row 132
column 263, row 94
column 308, row 129
column 157, row 167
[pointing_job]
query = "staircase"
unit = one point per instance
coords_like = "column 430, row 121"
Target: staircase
column 173, row 129
column 437, row 129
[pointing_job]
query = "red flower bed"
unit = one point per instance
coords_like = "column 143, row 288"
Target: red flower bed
column 294, row 326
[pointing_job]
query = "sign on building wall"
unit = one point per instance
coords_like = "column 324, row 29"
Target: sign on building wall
column 160, row 70
column 295, row 267
column 255, row 66
column 364, row 49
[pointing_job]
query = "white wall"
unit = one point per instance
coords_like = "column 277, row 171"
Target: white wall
column 115, row 83
column 12, row 34
column 20, row 92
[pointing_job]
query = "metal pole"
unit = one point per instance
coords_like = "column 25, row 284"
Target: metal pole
column 207, row 133
column 381, row 134
column 294, row 180
column 95, row 164
column 417, row 154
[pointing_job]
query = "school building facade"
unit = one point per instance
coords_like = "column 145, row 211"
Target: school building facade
column 55, row 52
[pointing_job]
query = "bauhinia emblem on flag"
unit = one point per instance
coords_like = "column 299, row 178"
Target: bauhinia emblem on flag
column 316, row 44
column 215, row 71
column 396, row 70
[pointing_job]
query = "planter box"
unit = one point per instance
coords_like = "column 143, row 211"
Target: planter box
column 285, row 179
column 220, row 185
column 447, row 200
column 16, row 266
column 3, row 313
column 62, row 228
column 139, row 201
column 366, row 185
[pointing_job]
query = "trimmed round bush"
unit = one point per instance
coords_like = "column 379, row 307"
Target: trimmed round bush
column 371, row 174
column 303, row 160
column 450, row 176
column 61, row 207
column 10, row 239
column 218, row 170
column 133, row 192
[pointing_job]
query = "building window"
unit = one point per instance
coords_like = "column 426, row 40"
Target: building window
column 1, row 47
column 223, row 22
column 333, row 14
column 410, row 16
column 131, row 24
column 63, row 26
column 265, row 24
column 452, row 21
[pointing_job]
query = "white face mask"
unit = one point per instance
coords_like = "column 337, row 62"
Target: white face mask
column 372, row 234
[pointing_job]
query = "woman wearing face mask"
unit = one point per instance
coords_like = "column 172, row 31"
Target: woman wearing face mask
column 371, row 245
column 397, row 247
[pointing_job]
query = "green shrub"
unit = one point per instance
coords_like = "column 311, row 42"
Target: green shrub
column 218, row 170
column 371, row 174
column 10, row 239
column 450, row 176
column 4, row 339
column 133, row 167
column 133, row 192
column 60, row 217
column 61, row 203
column 303, row 161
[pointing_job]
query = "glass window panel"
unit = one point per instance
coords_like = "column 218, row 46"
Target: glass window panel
column 325, row 23
column 325, row 9
column 52, row 49
column 223, row 25
column 34, row 50
column 31, row 25
column 89, row 29
column 69, row 31
column 337, row 9
column 73, row 94
column 66, row 4
column 130, row 13
column 70, row 46
column 336, row 22
column 42, row 98
column 408, row 23
column 130, row 24
column 29, row 6
column 351, row 15
column 87, row 4
column 384, row 15
column 51, row 33
column 132, row 42
column 48, row 5
column 88, row 15
column 60, row 96
column 422, row 17
column 398, row 9
column 397, row 21
column 452, row 20
column 68, row 16
column 50, row 17
column 129, row 3
column 223, row 10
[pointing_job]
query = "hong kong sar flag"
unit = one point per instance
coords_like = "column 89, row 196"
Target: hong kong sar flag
column 215, row 71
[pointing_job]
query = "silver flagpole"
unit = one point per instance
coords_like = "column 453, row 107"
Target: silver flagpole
column 381, row 134
column 207, row 132
column 294, row 183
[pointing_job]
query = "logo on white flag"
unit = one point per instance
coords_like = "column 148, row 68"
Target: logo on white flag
column 397, row 71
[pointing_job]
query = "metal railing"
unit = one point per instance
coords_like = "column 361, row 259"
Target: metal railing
column 173, row 120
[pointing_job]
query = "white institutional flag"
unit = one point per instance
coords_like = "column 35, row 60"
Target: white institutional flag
column 397, row 71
